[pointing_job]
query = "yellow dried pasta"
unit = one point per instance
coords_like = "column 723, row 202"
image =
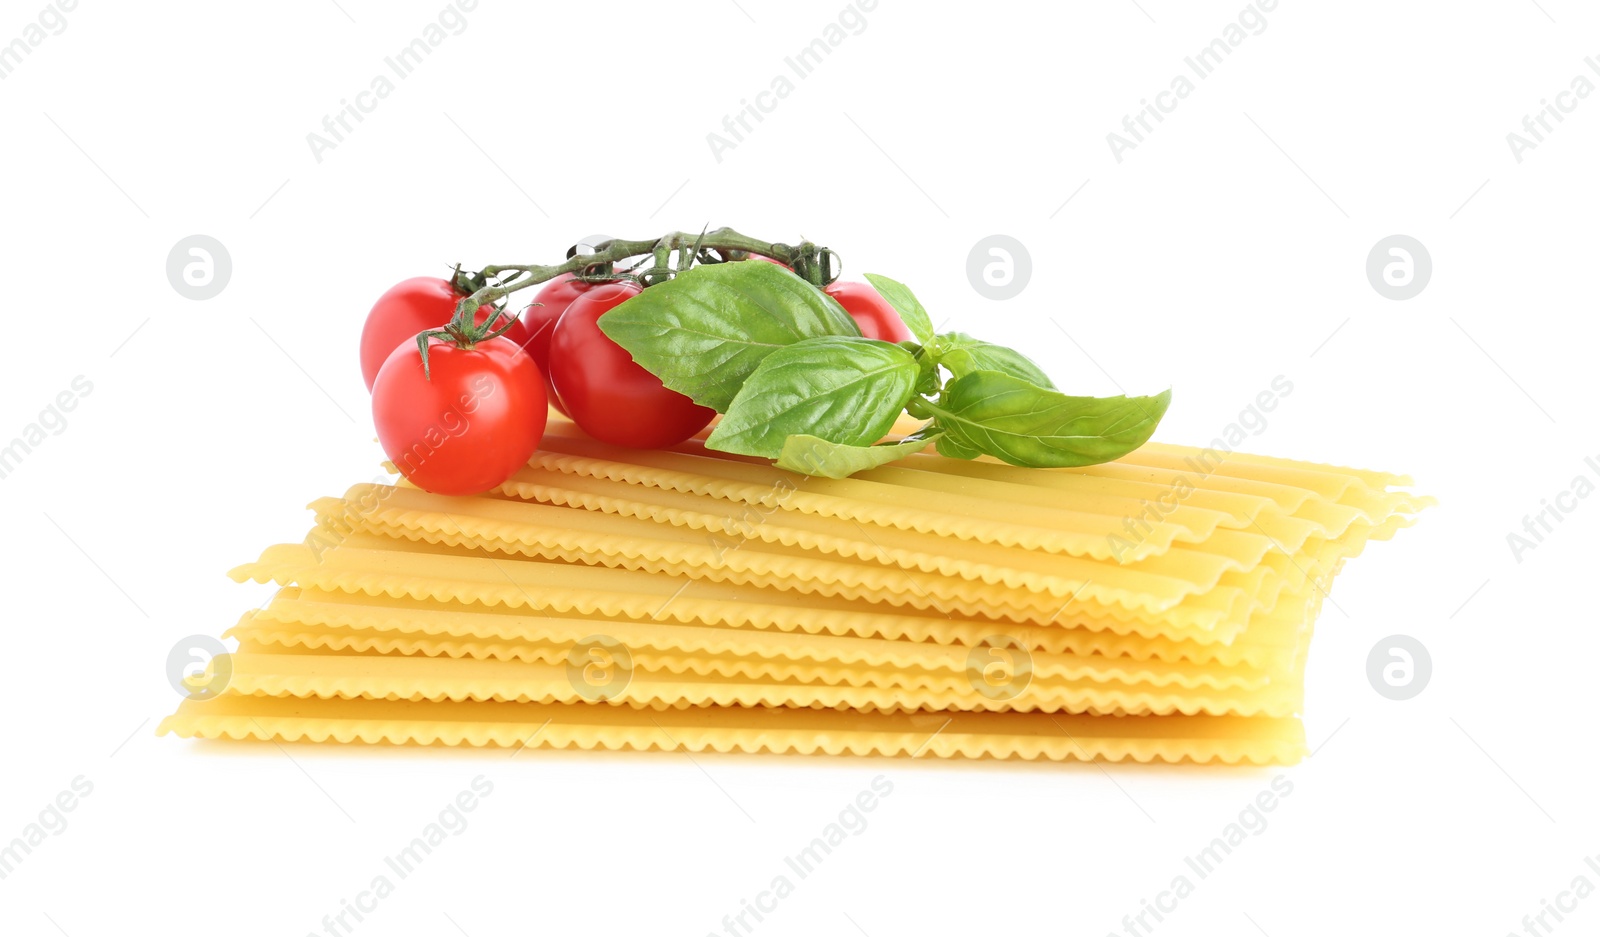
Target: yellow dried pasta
column 1000, row 509
column 495, row 526
column 1315, row 513
column 1161, row 605
column 1251, row 594
column 556, row 533
column 377, row 676
column 425, row 571
column 690, row 649
column 1029, row 736
column 267, row 638
column 1277, row 650
column 734, row 524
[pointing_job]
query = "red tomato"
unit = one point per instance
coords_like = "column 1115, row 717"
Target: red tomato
column 610, row 396
column 468, row 426
column 873, row 314
column 538, row 322
column 769, row 260
column 409, row 307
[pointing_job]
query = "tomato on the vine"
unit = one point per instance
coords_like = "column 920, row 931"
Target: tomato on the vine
column 873, row 314
column 538, row 322
column 467, row 424
column 605, row 391
column 408, row 308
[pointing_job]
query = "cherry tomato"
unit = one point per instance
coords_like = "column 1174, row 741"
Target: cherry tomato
column 467, row 426
column 770, row 260
column 606, row 392
column 538, row 322
column 409, row 307
column 873, row 314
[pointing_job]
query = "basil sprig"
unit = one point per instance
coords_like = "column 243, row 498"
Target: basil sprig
column 796, row 382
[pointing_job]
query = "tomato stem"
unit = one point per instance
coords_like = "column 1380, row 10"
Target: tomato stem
column 812, row 262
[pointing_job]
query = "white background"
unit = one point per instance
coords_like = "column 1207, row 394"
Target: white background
column 1225, row 250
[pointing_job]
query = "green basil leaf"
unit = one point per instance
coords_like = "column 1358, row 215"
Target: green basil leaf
column 962, row 354
column 911, row 312
column 1017, row 422
column 705, row 331
column 952, row 447
column 810, row 455
column 843, row 390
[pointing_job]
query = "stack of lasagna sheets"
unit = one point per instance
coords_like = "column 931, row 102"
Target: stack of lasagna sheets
column 1156, row 607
